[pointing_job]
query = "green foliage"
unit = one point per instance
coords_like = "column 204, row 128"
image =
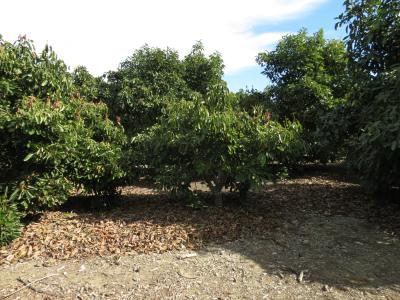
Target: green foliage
column 23, row 72
column 40, row 191
column 52, row 145
column 373, row 43
column 333, row 133
column 309, row 76
column 253, row 101
column 147, row 81
column 87, row 86
column 323, row 61
column 201, row 72
column 209, row 139
column 375, row 149
column 373, row 39
column 142, row 85
column 10, row 224
column 60, row 145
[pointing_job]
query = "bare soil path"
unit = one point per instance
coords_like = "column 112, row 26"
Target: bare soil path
column 314, row 237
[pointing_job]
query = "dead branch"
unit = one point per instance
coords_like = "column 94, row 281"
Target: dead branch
column 29, row 285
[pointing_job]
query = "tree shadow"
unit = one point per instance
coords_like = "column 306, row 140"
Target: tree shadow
column 336, row 251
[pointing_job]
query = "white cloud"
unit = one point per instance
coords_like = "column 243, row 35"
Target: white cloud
column 100, row 34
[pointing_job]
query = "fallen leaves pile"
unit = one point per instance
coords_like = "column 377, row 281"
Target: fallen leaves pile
column 147, row 221
column 141, row 225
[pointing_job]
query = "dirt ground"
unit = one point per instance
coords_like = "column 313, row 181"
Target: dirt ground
column 314, row 237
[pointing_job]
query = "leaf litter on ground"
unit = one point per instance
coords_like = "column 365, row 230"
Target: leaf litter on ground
column 148, row 221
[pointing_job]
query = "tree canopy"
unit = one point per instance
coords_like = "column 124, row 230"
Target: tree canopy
column 309, row 77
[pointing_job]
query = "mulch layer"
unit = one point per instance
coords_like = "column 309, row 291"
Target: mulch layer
column 148, row 221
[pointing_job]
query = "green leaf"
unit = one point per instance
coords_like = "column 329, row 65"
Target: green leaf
column 28, row 157
column 394, row 146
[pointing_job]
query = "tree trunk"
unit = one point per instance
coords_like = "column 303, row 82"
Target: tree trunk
column 218, row 199
column 244, row 188
column 216, row 186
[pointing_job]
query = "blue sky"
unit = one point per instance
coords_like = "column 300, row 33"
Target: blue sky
column 323, row 16
column 99, row 34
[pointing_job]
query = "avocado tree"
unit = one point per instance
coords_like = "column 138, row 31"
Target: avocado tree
column 201, row 73
column 309, row 78
column 141, row 86
column 51, row 141
column 373, row 43
column 148, row 80
column 210, row 139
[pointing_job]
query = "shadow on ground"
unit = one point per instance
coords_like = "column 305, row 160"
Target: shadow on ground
column 336, row 251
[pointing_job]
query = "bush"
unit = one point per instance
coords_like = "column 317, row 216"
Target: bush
column 38, row 192
column 59, row 146
column 51, row 141
column 10, row 224
column 211, row 140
